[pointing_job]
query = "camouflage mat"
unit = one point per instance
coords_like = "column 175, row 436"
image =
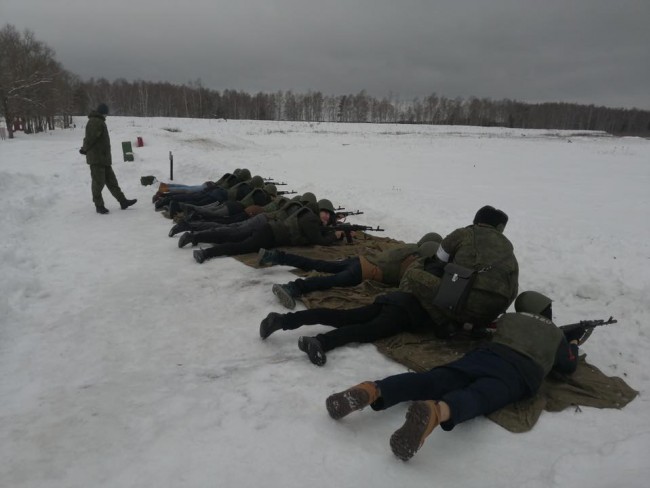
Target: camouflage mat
column 588, row 386
column 362, row 244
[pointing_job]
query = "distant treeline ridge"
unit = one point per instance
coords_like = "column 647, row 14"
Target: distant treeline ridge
column 36, row 89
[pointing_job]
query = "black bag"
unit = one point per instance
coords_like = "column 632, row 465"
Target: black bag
column 147, row 180
column 454, row 288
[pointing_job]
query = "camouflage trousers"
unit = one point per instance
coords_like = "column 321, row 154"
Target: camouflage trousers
column 103, row 176
column 482, row 307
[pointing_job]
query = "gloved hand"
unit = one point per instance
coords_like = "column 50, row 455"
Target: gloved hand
column 82, row 151
column 575, row 334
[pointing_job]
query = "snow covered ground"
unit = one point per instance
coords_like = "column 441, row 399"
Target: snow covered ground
column 123, row 363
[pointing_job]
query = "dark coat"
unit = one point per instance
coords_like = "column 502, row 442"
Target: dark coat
column 302, row 228
column 97, row 143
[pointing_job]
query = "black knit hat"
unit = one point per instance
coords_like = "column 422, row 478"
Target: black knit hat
column 102, row 108
column 489, row 215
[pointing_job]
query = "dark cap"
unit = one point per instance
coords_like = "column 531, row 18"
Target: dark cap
column 489, row 215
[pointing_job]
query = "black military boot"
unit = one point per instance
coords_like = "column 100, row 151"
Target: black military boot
column 101, row 210
column 199, row 256
column 124, row 204
column 268, row 256
column 186, row 239
column 179, row 227
column 287, row 294
column 273, row 321
column 174, row 208
column 313, row 348
column 162, row 203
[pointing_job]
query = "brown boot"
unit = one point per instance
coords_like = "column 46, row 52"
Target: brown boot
column 341, row 404
column 421, row 419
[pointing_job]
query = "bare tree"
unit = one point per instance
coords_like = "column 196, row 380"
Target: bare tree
column 28, row 72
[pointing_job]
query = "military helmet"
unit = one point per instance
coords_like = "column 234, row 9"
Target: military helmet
column 325, row 204
column 271, row 189
column 280, row 201
column 430, row 237
column 428, row 249
column 236, row 172
column 489, row 215
column 308, row 197
column 257, row 181
column 532, row 302
column 244, row 174
column 296, row 198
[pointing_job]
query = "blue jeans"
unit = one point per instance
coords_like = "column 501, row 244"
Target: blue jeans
column 479, row 383
column 345, row 272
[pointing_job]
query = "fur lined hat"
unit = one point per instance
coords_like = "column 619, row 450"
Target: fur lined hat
column 488, row 215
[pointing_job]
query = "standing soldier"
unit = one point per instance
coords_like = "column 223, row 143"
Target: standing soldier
column 97, row 149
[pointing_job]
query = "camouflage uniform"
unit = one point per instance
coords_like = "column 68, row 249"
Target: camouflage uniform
column 97, row 147
column 475, row 247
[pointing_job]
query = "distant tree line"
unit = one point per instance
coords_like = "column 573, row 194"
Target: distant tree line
column 34, row 87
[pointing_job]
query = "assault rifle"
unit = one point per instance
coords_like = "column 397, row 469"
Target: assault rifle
column 269, row 181
column 286, row 192
column 588, row 326
column 347, row 230
column 344, row 214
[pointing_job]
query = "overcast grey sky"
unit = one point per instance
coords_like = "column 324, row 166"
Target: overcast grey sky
column 583, row 51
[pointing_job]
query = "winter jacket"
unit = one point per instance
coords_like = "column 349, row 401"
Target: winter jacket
column 303, row 228
column 534, row 345
column 477, row 247
column 390, row 262
column 97, row 143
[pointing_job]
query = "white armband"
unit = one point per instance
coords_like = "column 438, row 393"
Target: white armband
column 442, row 255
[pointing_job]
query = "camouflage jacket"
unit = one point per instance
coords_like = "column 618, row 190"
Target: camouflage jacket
column 97, row 143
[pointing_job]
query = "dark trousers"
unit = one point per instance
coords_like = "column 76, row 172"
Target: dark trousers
column 198, row 225
column 346, row 272
column 232, row 233
column 204, row 197
column 101, row 176
column 217, row 210
column 264, row 237
column 363, row 324
column 479, row 383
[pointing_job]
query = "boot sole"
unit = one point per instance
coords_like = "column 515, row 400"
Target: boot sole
column 184, row 241
column 285, row 299
column 267, row 327
column 408, row 439
column 341, row 404
column 315, row 354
